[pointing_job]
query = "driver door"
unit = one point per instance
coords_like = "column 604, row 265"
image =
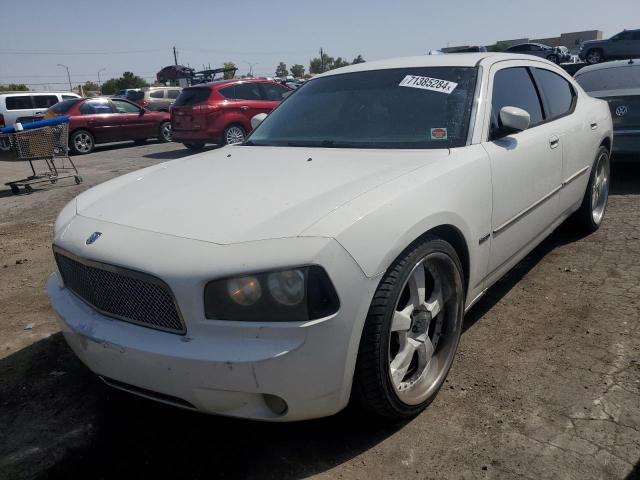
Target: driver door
column 526, row 169
column 131, row 119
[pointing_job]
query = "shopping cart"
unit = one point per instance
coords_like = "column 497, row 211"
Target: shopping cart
column 45, row 140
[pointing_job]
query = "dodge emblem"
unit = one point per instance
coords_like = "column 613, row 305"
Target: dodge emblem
column 93, row 237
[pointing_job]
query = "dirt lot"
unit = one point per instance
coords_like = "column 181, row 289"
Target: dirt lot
column 546, row 383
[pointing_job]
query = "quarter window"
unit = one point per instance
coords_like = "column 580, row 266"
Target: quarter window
column 513, row 87
column 558, row 93
column 44, row 101
column 22, row 102
column 228, row 92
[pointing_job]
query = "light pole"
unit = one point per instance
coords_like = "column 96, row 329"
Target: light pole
column 101, row 70
column 68, row 75
column 250, row 66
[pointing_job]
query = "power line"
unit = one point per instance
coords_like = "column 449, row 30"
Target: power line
column 78, row 52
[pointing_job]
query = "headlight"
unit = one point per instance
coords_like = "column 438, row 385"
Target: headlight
column 296, row 294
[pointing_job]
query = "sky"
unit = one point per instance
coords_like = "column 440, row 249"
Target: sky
column 138, row 36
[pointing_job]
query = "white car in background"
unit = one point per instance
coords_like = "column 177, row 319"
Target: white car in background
column 25, row 107
column 333, row 254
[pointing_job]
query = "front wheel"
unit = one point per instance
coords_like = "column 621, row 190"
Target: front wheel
column 594, row 203
column 412, row 331
column 234, row 134
column 82, row 142
column 165, row 132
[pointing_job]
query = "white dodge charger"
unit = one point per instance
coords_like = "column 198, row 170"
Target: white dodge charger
column 332, row 255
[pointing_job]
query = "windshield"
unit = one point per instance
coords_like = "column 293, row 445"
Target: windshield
column 420, row 107
column 617, row 78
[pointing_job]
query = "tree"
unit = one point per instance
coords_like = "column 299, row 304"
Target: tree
column 230, row 74
column 498, row 46
column 358, row 59
column 281, row 70
column 14, row 87
column 90, row 86
column 297, row 70
column 339, row 62
column 127, row 80
column 321, row 64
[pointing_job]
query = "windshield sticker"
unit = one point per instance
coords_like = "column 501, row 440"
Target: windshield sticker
column 439, row 133
column 428, row 83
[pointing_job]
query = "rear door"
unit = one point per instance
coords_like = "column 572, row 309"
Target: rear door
column 274, row 94
column 250, row 101
column 41, row 103
column 99, row 115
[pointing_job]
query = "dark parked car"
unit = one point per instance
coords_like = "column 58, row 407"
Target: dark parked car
column 619, row 84
column 625, row 44
column 157, row 99
column 553, row 54
column 221, row 112
column 103, row 120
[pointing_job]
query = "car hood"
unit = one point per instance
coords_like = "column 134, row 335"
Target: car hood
column 242, row 193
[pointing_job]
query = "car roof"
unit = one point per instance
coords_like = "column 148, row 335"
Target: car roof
column 446, row 60
column 22, row 92
column 606, row 65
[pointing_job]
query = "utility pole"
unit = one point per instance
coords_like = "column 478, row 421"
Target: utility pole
column 68, row 75
column 175, row 56
column 101, row 70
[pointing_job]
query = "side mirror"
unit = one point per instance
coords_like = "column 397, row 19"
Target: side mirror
column 142, row 110
column 514, row 119
column 257, row 120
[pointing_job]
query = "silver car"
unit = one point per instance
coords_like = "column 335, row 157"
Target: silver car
column 553, row 54
column 618, row 83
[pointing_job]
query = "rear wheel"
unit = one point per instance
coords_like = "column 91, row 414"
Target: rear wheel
column 594, row 56
column 165, row 132
column 194, row 145
column 233, row 134
column 553, row 58
column 82, row 142
column 412, row 331
column 591, row 212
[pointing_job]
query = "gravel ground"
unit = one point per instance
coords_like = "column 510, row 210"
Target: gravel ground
column 545, row 385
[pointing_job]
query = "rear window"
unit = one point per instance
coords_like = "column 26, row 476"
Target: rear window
column 63, row 107
column 22, row 102
column 173, row 94
column 45, row 101
column 618, row 78
column 191, row 96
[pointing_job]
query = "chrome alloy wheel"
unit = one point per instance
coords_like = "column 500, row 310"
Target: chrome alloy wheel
column 600, row 188
column 83, row 142
column 594, row 56
column 234, row 134
column 425, row 328
column 165, row 131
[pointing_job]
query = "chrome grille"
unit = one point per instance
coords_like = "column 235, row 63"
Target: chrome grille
column 124, row 294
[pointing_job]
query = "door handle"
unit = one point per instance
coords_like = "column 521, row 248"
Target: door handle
column 554, row 142
column 594, row 125
column 244, row 107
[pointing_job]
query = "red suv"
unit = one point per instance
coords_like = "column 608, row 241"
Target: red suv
column 221, row 112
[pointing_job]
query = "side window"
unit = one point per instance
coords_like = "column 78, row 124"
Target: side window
column 248, row 91
column 173, row 94
column 122, row 106
column 558, row 93
column 68, row 97
column 92, row 107
column 535, row 48
column 273, row 92
column 44, row 101
column 156, row 94
column 228, row 92
column 513, row 87
column 635, row 35
column 22, row 102
column 624, row 36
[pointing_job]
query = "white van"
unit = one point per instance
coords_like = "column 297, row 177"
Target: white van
column 25, row 107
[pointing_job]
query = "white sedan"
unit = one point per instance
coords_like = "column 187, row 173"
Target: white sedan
column 332, row 256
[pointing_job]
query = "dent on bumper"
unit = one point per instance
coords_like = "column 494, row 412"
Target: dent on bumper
column 233, row 369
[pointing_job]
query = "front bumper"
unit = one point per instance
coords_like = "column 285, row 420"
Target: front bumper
column 220, row 367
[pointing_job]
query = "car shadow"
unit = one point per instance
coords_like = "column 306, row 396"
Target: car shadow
column 175, row 154
column 625, row 175
column 61, row 421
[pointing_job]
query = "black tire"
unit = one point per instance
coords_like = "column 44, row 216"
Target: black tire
column 373, row 388
column 194, row 145
column 594, row 56
column 553, row 58
column 228, row 133
column 164, row 132
column 82, row 142
column 583, row 218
